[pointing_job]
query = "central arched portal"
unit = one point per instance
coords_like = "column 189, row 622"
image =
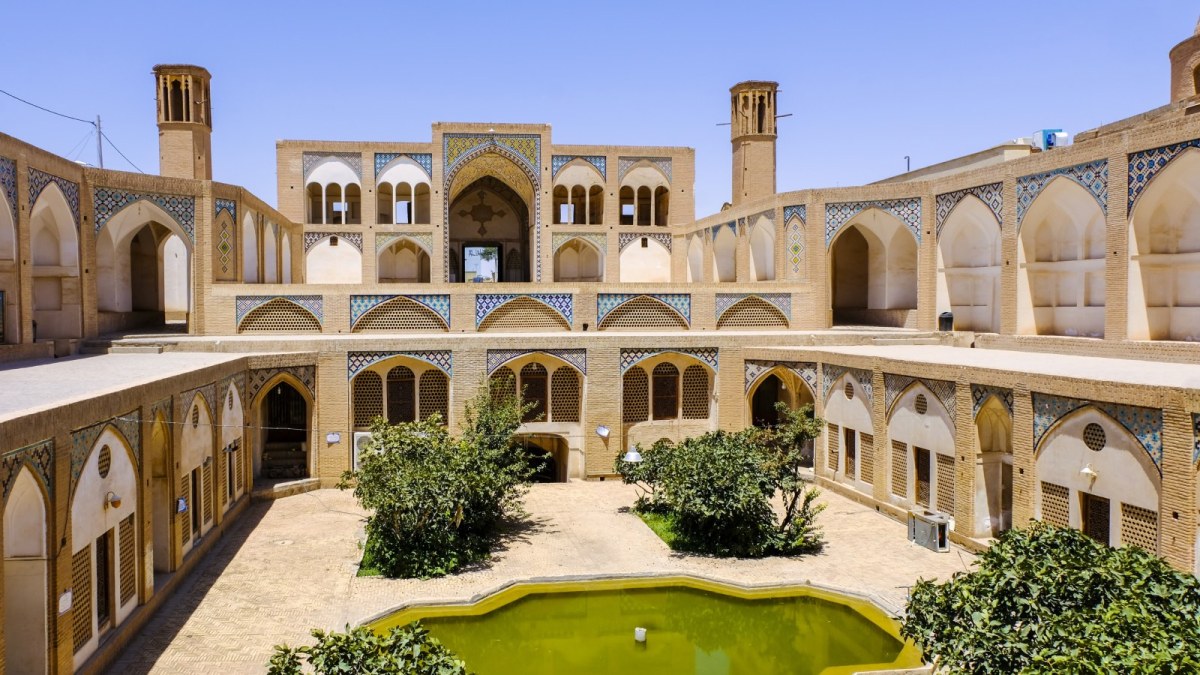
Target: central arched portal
column 492, row 222
column 285, row 424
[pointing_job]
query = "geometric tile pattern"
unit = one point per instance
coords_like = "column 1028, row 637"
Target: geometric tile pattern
column 599, row 240
column 626, row 238
column 894, row 385
column 631, row 357
column 313, row 303
column 355, row 239
column 425, row 159
column 781, row 301
column 306, row 375
column 600, row 162
column 1093, row 176
column 40, row 459
column 8, row 184
column 38, row 180
column 225, row 245
column 527, row 148
column 831, row 373
column 907, row 210
column 207, row 393
column 991, row 195
column 680, row 302
column 383, row 240
column 443, row 359
column 799, row 211
column 486, row 303
column 981, row 392
column 110, row 201
column 499, row 357
column 716, row 229
column 806, row 371
column 82, row 440
column 1144, row 423
column 1145, row 165
column 624, row 164
column 361, row 304
column 227, row 205
column 351, row 159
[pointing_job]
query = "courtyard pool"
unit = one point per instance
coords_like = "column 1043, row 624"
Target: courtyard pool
column 692, row 626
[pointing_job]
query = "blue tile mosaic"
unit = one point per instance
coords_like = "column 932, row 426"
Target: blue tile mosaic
column 557, row 162
column 425, row 159
column 1093, row 176
column 1144, row 165
column 39, row 457
column 781, row 301
column 499, row 357
column 980, row 393
column 607, row 302
column 38, row 180
column 907, row 210
column 311, row 239
column 626, row 238
column 1144, row 423
column 624, row 164
column 806, row 371
column 8, row 183
column 246, row 303
column 227, row 205
column 992, row 195
column 830, row 374
column 631, row 357
column 309, row 160
column 109, row 202
column 486, row 303
column 443, row 359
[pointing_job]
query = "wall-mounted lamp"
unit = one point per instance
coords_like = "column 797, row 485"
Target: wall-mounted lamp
column 333, row 437
column 112, row 499
column 602, row 431
column 181, row 505
column 1089, row 473
column 633, row 456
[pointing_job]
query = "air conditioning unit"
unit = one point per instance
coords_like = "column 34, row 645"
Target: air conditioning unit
column 931, row 530
column 359, row 447
column 1048, row 139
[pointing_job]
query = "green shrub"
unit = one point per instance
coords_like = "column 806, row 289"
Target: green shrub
column 714, row 492
column 408, row 650
column 438, row 502
column 1053, row 600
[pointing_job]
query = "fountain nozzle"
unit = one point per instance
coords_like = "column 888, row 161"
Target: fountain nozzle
column 639, row 634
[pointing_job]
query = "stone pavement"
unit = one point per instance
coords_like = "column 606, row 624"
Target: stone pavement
column 289, row 566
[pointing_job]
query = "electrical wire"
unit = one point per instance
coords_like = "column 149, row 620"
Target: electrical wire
column 91, row 123
column 77, row 149
column 139, row 420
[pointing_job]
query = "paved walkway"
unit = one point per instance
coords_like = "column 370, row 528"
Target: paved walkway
column 289, row 566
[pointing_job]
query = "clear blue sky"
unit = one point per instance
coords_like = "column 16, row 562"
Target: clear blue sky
column 868, row 82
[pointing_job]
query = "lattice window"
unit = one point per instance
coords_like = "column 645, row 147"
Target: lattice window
column 279, row 316
column 866, row 452
column 401, row 395
column 899, row 469
column 535, row 389
column 695, row 393
column 222, row 493
column 368, row 398
column 945, row 483
column 523, row 315
column 921, row 404
column 1139, row 527
column 240, row 462
column 1096, row 514
column 635, row 395
column 503, row 384
column 665, row 390
column 834, row 432
column 641, row 313
column 104, row 462
column 185, row 493
column 128, row 547
column 208, row 478
column 435, row 394
column 399, row 315
column 753, row 313
column 1055, row 507
column 1093, row 437
column 564, row 395
column 923, row 476
column 850, row 449
column 81, row 592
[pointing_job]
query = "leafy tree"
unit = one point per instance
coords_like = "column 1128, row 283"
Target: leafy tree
column 438, row 502
column 409, row 650
column 1053, row 600
column 714, row 492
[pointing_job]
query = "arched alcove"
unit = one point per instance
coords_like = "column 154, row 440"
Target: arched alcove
column 26, row 576
column 848, row 431
column 762, row 251
column 873, row 271
column 645, row 260
column 725, row 254
column 994, row 470
column 333, row 260
column 403, row 261
column 695, row 259
column 968, row 281
column 54, row 246
column 578, row 260
column 250, row 251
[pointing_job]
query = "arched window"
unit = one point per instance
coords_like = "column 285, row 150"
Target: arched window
column 635, row 391
column 435, row 394
column 368, row 398
column 695, row 393
column 534, row 390
column 564, row 395
column 665, row 390
column 401, row 395
column 503, row 384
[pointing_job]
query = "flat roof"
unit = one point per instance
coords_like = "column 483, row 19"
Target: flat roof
column 1093, row 368
column 34, row 386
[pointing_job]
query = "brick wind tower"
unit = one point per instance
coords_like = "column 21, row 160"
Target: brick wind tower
column 184, row 121
column 752, row 110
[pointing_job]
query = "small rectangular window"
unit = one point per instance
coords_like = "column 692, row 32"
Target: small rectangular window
column 338, row 207
column 627, row 210
column 403, row 213
column 645, row 242
column 566, row 213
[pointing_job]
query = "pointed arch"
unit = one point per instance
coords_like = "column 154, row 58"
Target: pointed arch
column 1060, row 251
column 26, row 574
column 403, row 260
column 333, row 259
column 968, row 254
column 279, row 315
column 695, row 259
column 8, row 230
column 523, row 313
column 250, row 250
column 752, row 312
column 873, row 267
column 54, row 248
column 725, row 254
column 642, row 312
column 578, row 259
column 280, row 434
column 762, row 250
column 778, row 384
column 1164, row 242
column 400, row 314
column 270, row 254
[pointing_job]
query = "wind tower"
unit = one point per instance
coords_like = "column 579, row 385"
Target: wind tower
column 184, row 121
column 752, row 110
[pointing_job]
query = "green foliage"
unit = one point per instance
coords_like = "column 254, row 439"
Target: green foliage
column 409, row 650
column 1053, row 600
column 714, row 493
column 438, row 502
